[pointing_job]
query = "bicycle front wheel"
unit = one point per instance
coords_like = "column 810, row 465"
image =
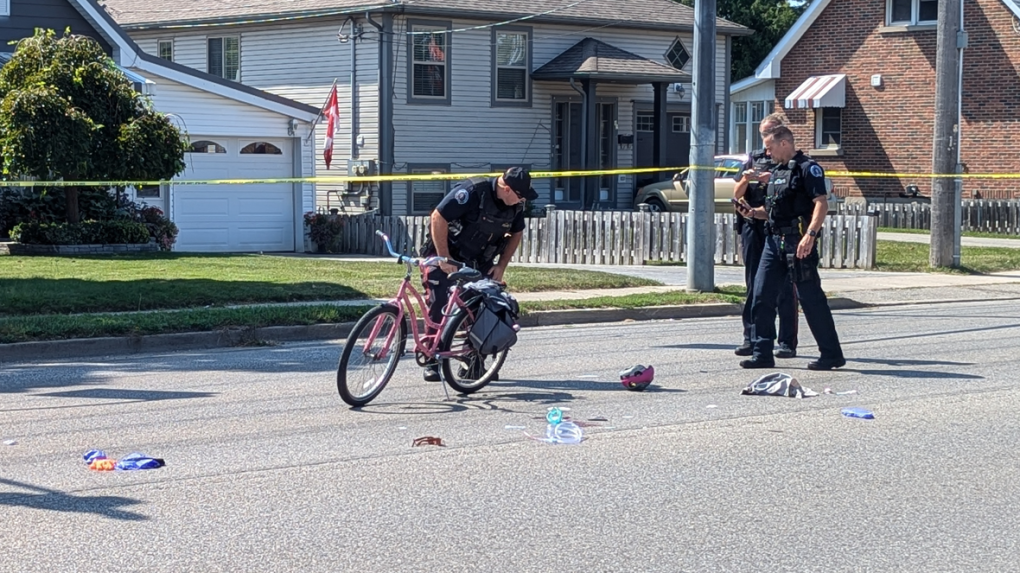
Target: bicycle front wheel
column 464, row 368
column 370, row 355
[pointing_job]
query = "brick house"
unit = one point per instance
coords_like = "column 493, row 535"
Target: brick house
column 857, row 80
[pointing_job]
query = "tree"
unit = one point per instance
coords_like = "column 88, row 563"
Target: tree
column 67, row 112
column 769, row 19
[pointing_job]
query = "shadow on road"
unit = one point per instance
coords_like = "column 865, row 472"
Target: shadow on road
column 53, row 500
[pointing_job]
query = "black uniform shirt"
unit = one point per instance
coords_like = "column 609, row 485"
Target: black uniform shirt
column 464, row 204
column 759, row 161
column 794, row 186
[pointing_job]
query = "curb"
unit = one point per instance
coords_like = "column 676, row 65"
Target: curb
column 250, row 337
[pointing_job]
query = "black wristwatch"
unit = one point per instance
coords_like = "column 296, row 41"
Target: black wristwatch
column 812, row 233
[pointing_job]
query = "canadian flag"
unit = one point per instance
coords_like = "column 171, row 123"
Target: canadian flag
column 333, row 115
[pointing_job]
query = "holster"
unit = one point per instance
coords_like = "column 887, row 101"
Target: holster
column 805, row 269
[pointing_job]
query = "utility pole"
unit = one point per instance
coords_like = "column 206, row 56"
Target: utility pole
column 701, row 177
column 946, row 139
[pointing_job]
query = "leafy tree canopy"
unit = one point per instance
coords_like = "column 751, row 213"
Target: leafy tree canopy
column 68, row 112
column 769, row 19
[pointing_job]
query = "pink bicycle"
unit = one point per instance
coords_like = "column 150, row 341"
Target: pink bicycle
column 377, row 341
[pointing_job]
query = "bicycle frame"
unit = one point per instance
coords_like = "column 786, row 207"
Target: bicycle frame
column 405, row 304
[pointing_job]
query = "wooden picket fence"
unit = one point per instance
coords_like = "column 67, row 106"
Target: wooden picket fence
column 617, row 238
column 989, row 216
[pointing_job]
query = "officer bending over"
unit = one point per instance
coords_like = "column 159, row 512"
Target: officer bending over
column 478, row 220
column 752, row 181
column 795, row 207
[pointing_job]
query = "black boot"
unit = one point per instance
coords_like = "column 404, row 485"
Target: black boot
column 827, row 363
column 431, row 372
column 758, row 362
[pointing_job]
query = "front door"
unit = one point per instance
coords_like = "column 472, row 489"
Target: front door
column 678, row 144
column 568, row 192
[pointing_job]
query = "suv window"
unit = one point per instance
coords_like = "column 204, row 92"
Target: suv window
column 729, row 168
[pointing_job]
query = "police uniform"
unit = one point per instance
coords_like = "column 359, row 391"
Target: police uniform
column 752, row 240
column 480, row 227
column 789, row 203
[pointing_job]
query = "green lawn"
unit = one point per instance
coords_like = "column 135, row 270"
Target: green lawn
column 50, row 298
column 913, row 257
column 61, row 285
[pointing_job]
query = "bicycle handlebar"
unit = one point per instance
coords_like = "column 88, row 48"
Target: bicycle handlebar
column 426, row 262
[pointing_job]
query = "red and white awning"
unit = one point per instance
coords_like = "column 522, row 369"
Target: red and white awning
column 819, row 91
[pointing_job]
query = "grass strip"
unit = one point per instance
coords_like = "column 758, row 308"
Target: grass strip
column 62, row 327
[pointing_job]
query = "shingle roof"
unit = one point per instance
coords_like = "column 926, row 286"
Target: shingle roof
column 591, row 58
column 640, row 14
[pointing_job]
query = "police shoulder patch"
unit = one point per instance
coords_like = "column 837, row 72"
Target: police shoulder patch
column 461, row 196
column 815, row 170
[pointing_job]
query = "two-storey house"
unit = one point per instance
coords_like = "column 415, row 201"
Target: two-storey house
column 461, row 86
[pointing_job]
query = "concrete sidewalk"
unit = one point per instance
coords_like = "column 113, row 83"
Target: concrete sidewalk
column 1009, row 243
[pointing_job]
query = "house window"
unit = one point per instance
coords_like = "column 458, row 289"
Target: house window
column 644, row 122
column 147, row 192
column 165, row 49
column 225, row 57
column 757, row 114
column 681, row 124
column 511, row 66
column 429, row 46
column 747, row 115
column 677, row 55
column 206, row 147
column 261, row 148
column 425, row 195
column 740, row 127
column 828, row 127
column 5, row 7
column 911, row 12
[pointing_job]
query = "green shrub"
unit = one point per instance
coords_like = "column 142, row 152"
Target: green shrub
column 118, row 231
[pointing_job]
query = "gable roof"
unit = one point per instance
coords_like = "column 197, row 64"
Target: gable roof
column 127, row 54
column 627, row 14
column 770, row 66
column 593, row 59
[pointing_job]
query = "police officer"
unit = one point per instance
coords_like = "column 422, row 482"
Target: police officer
column 477, row 221
column 795, row 207
column 752, row 181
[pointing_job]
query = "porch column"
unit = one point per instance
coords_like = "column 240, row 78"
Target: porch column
column 659, row 120
column 590, row 187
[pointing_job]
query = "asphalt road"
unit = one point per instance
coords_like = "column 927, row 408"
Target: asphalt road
column 267, row 470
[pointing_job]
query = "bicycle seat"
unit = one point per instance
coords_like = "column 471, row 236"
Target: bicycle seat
column 465, row 274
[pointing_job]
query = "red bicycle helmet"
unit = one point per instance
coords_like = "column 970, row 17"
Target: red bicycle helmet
column 637, row 378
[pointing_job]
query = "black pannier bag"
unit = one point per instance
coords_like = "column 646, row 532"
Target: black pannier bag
column 495, row 327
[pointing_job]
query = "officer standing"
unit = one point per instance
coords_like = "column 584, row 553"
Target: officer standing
column 795, row 208
column 477, row 221
column 752, row 181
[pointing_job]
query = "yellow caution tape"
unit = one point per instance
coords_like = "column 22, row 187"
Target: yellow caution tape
column 328, row 179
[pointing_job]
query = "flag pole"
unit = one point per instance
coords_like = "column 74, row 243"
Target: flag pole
column 315, row 122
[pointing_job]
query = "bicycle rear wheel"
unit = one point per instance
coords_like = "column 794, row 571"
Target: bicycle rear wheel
column 370, row 355
column 464, row 369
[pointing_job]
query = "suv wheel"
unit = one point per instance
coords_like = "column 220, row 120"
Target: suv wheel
column 655, row 206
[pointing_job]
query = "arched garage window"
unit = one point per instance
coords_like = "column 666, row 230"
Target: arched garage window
column 261, row 148
column 206, row 147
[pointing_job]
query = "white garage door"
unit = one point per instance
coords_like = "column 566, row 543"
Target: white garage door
column 235, row 218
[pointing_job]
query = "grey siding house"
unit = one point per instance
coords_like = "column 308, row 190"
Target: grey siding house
column 461, row 86
column 236, row 131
